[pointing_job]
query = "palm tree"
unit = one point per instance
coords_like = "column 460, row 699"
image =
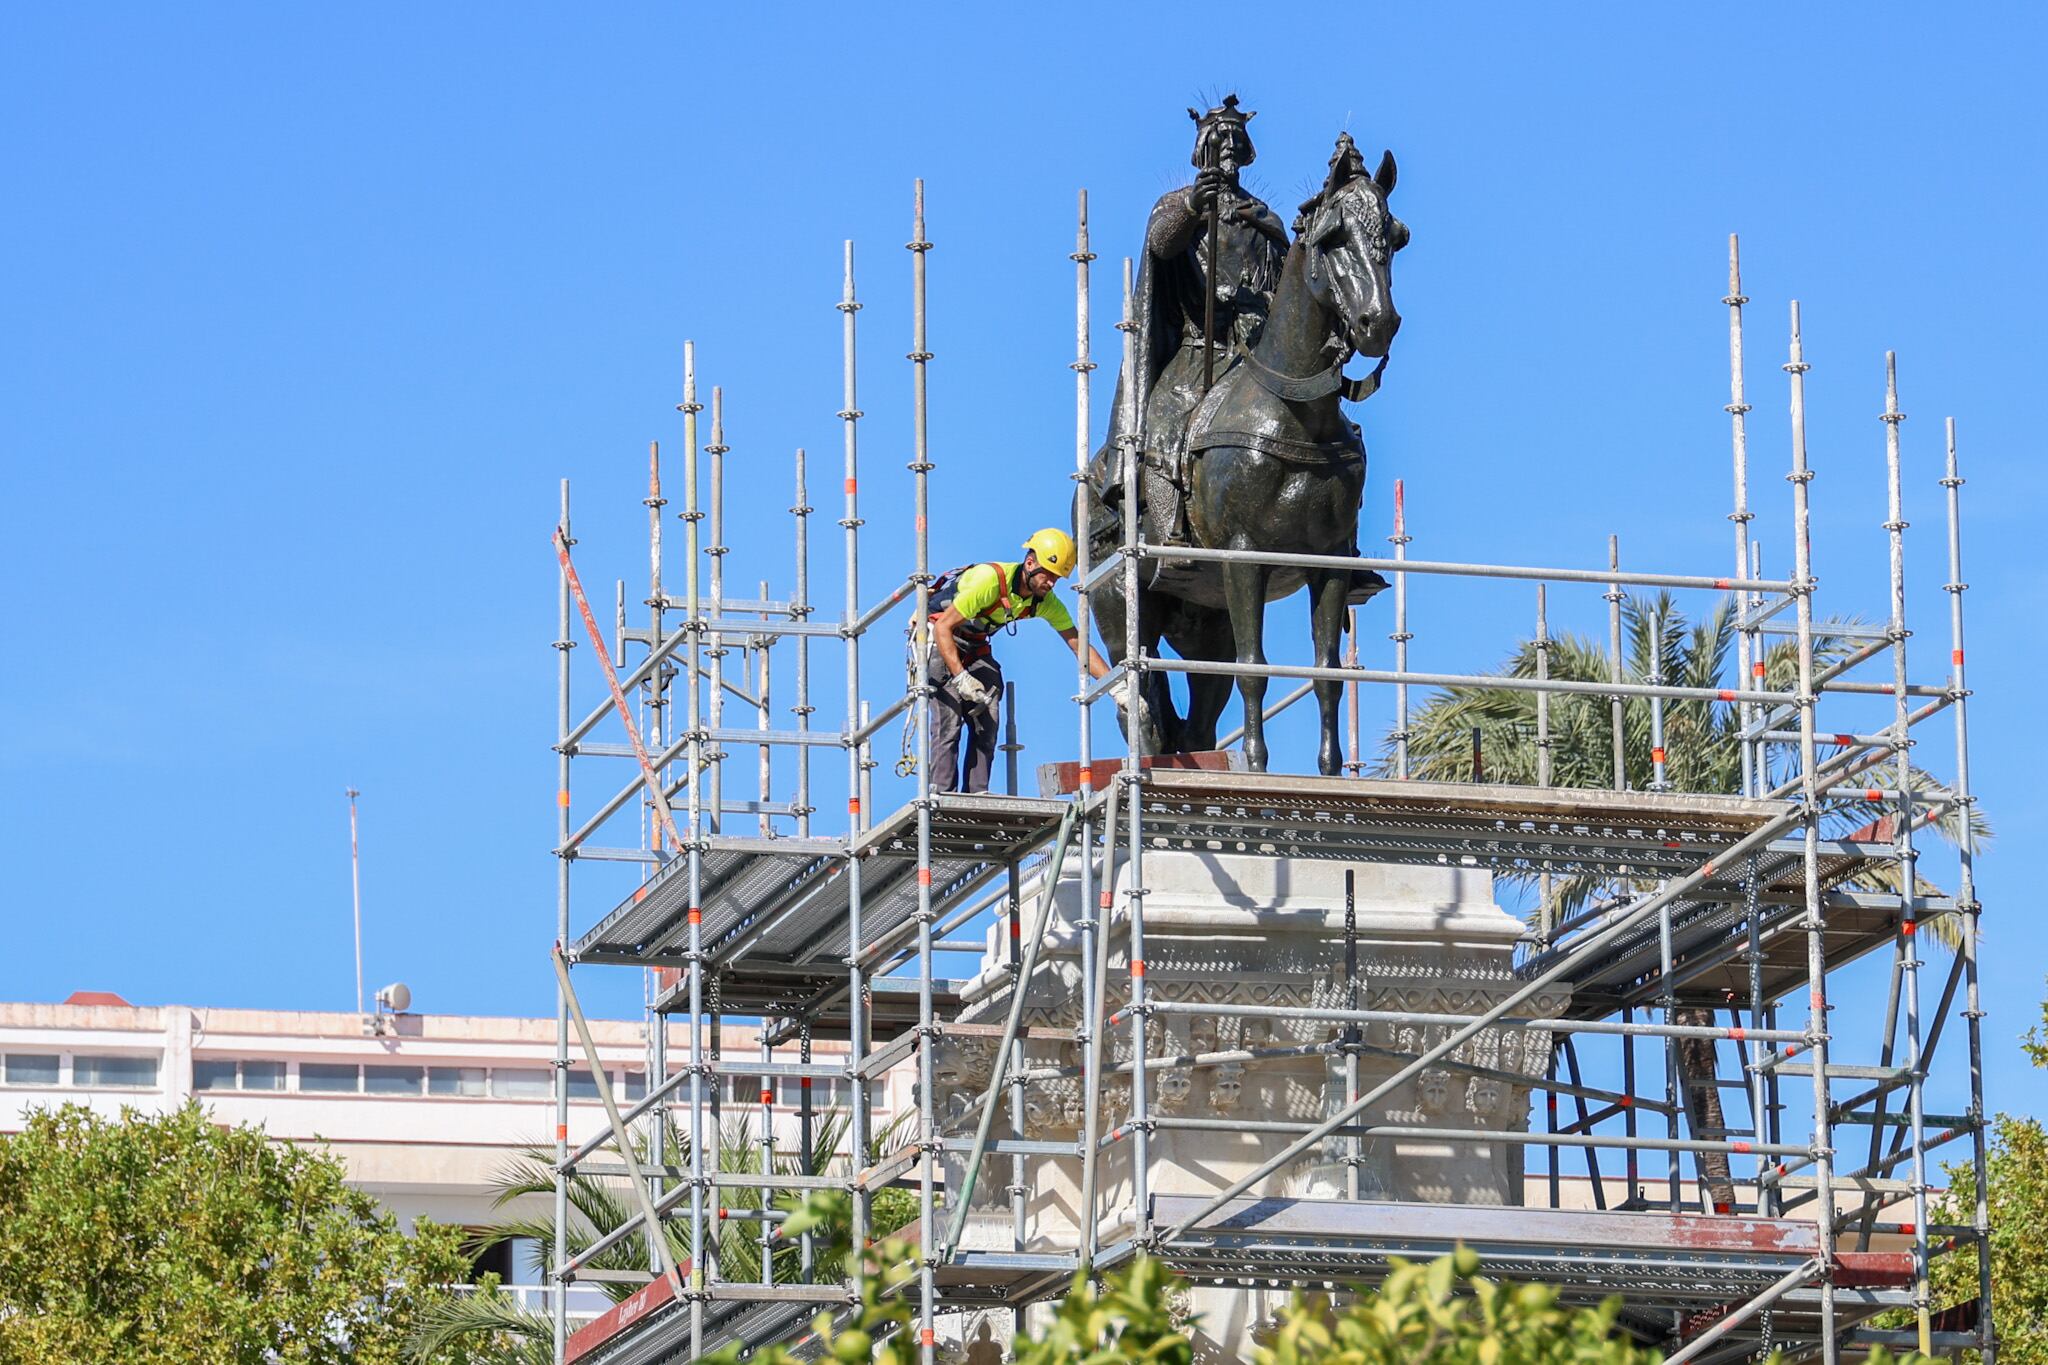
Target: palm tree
column 1702, row 752
column 494, row 1330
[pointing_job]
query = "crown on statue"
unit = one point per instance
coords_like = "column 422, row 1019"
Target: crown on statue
column 1223, row 117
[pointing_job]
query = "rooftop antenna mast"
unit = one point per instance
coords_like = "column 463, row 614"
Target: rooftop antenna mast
column 355, row 877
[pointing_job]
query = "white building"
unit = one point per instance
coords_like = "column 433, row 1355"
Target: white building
column 425, row 1110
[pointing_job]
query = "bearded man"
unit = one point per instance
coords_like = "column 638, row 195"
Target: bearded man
column 1173, row 292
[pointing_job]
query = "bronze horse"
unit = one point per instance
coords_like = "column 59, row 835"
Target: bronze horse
column 1275, row 467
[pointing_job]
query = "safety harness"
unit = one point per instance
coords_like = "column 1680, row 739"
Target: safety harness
column 972, row 635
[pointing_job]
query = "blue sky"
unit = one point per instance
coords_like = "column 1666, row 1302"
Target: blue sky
column 309, row 309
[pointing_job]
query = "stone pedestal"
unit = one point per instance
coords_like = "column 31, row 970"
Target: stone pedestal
column 1223, row 929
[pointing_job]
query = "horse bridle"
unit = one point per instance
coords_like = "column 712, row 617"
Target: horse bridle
column 1308, row 388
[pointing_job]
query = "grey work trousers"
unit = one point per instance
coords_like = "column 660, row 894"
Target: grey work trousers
column 949, row 715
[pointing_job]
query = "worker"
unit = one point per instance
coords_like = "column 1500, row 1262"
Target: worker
column 967, row 607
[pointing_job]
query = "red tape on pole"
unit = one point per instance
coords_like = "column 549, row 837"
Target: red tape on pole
column 611, row 680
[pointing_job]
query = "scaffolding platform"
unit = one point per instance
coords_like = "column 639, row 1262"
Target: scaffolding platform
column 786, row 901
column 652, row 1327
column 1710, row 937
column 776, row 911
column 1523, row 831
column 1509, row 829
column 1660, row 1262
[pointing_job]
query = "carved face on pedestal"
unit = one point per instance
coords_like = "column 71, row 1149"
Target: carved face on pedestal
column 1226, row 1089
column 1174, row 1085
column 955, row 1067
column 1040, row 1112
column 1116, row 1099
column 1486, row 1097
column 1433, row 1092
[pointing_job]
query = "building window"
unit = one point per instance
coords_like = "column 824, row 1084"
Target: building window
column 213, row 1074
column 262, row 1075
column 329, row 1078
column 455, row 1080
column 135, row 1073
column 636, row 1086
column 521, row 1083
column 581, row 1086
column 392, row 1080
column 31, row 1068
column 220, row 1073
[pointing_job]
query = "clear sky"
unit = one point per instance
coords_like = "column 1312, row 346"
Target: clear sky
column 308, row 309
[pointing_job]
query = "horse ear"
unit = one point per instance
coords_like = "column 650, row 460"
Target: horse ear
column 1385, row 176
column 1341, row 171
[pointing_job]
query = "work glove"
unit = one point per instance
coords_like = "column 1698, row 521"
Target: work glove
column 971, row 690
column 1123, row 691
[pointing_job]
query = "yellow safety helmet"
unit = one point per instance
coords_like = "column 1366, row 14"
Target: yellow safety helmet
column 1055, row 550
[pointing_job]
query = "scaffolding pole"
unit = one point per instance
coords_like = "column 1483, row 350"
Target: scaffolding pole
column 1737, row 880
column 694, row 846
column 1094, row 916
column 1401, row 634
column 1133, row 777
column 1966, row 897
column 1905, row 860
column 920, row 468
column 1809, row 815
column 1741, row 516
column 859, row 1132
column 564, row 642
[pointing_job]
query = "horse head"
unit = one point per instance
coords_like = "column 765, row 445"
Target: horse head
column 1351, row 236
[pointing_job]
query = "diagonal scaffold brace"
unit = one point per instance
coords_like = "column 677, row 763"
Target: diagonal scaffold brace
column 998, row 1080
column 621, row 1138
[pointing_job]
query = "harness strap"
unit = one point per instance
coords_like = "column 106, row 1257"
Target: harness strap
column 974, row 631
column 1308, row 388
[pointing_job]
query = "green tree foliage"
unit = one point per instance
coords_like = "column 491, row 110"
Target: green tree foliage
column 1441, row 1313
column 1129, row 1318
column 2017, row 1187
column 1446, row 1313
column 500, row 1331
column 167, row 1239
column 880, row 1329
column 2018, row 1184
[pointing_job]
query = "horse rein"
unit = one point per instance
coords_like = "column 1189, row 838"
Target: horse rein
column 1308, row 388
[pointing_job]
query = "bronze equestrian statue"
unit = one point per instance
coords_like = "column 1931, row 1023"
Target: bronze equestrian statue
column 1265, row 458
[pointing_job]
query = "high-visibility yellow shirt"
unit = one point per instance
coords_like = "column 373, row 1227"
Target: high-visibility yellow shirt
column 980, row 597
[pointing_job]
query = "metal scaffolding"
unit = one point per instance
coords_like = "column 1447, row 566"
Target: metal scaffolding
column 1740, row 905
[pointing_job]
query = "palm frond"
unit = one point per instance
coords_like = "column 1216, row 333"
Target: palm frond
column 456, row 1324
column 1701, row 738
